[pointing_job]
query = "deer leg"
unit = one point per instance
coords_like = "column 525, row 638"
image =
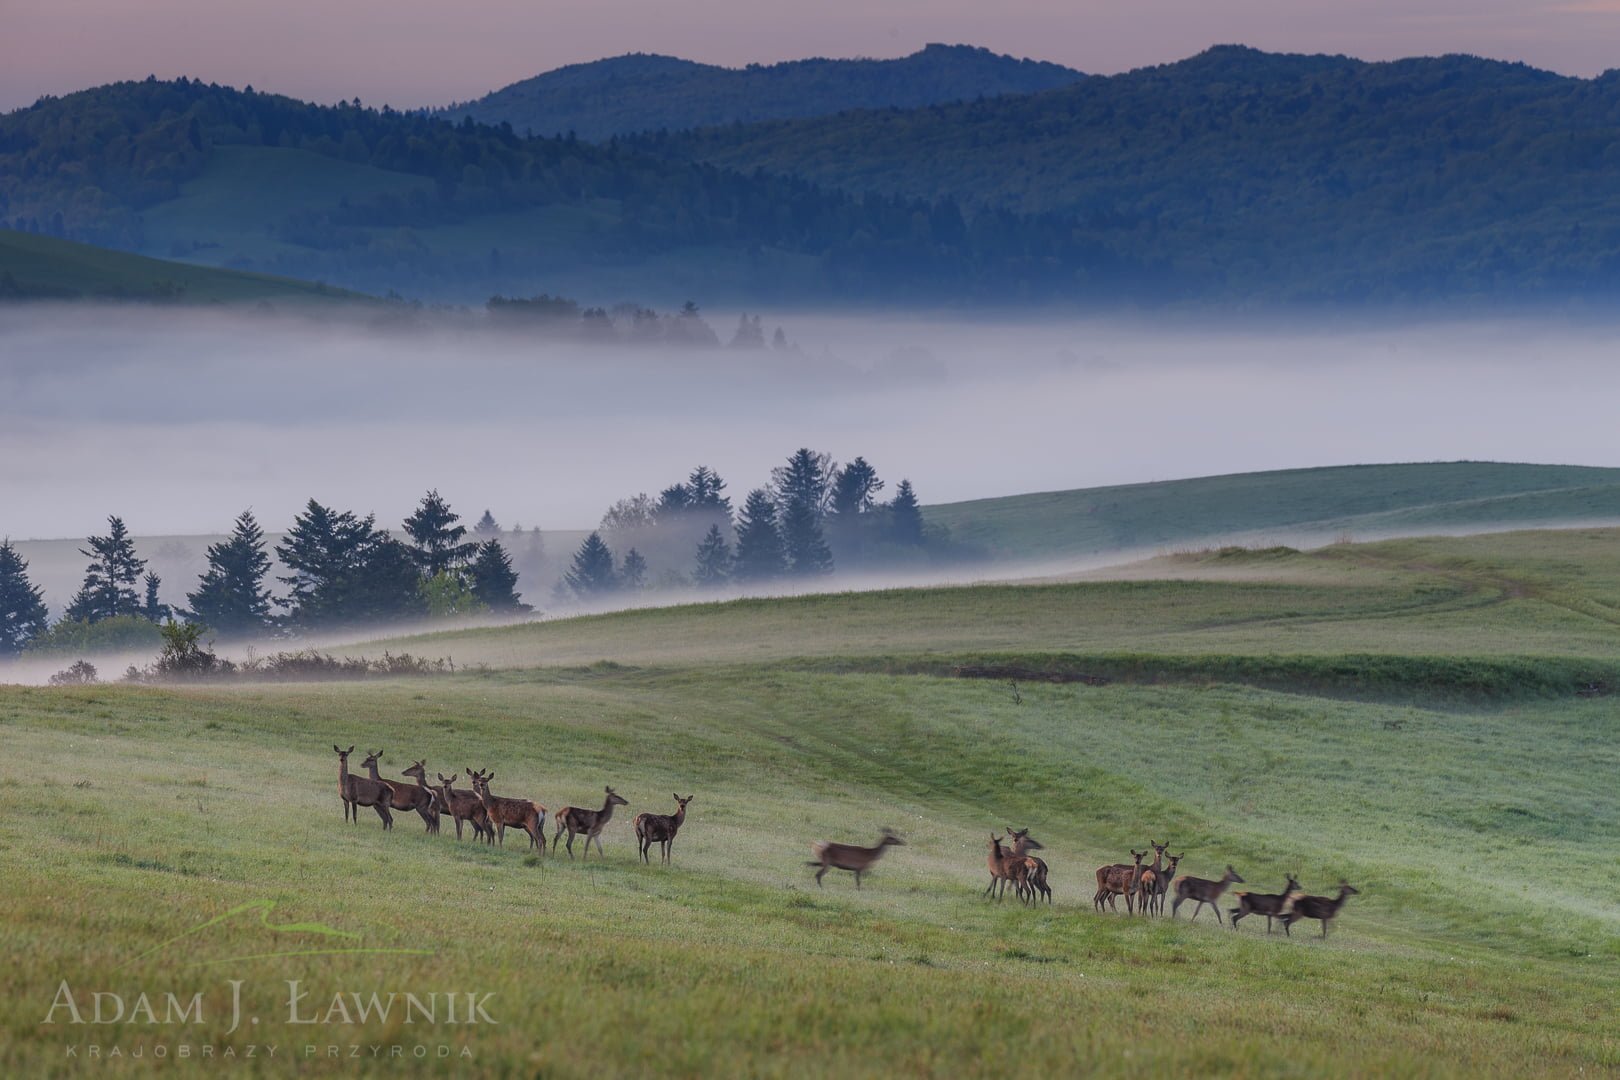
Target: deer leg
column 823, row 870
column 1216, row 908
column 857, row 879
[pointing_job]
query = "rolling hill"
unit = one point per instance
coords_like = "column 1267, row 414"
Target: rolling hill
column 622, row 95
column 34, row 267
column 1254, row 175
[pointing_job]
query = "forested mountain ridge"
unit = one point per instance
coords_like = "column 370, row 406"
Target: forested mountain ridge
column 1248, row 173
column 640, row 92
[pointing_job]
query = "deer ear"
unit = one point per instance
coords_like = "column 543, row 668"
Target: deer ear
column 350, row 750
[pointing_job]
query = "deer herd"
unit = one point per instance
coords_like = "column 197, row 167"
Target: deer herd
column 1008, row 857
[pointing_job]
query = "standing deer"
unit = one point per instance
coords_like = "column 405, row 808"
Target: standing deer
column 1203, row 891
column 859, row 860
column 660, row 829
column 524, row 814
column 589, row 822
column 1318, row 907
column 432, row 796
column 1034, row 865
column 1116, row 880
column 1148, row 880
column 1271, row 905
column 465, row 806
column 1161, row 884
column 357, row 791
column 1004, row 867
column 406, row 796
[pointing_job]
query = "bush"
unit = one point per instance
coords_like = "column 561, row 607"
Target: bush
column 117, row 634
column 81, row 673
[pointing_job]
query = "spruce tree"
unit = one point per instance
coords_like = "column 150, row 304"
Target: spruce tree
column 153, row 609
column 487, row 526
column 806, row 478
column 436, row 536
column 759, row 544
column 494, row 580
column 231, row 598
column 23, row 615
column 803, row 543
column 109, row 581
column 713, row 560
column 905, row 517
column 673, row 501
column 592, row 572
column 346, row 570
column 706, row 486
column 853, row 489
column 633, row 571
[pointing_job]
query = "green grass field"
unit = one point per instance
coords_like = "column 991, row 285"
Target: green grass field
column 43, row 267
column 1479, row 826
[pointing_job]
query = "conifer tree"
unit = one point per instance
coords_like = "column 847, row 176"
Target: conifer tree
column 231, row 598
column 713, row 560
column 759, row 544
column 494, row 580
column 153, row 609
column 803, row 543
column 633, row 571
column 487, row 526
column 23, row 615
column 806, row 478
column 854, row 488
column 109, row 581
column 436, row 537
column 905, row 516
column 592, row 571
column 346, row 570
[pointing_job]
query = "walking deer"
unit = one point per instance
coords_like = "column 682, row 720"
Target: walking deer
column 1204, row 891
column 1318, row 907
column 660, row 829
column 522, row 814
column 1271, row 905
column 1116, row 880
column 858, row 860
column 1004, row 867
column 465, row 806
column 357, row 791
column 432, row 796
column 1034, row 865
column 405, row 796
column 589, row 822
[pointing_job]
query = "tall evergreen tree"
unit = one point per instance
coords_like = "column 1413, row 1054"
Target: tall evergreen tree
column 487, row 526
column 109, row 580
column 153, row 609
column 713, row 560
column 806, row 478
column 759, row 544
column 346, row 570
column 673, row 501
column 803, row 542
column 592, row 572
column 854, row 488
column 905, row 516
column 494, row 580
column 706, row 488
column 633, row 571
column 436, row 537
column 231, row 598
column 23, row 615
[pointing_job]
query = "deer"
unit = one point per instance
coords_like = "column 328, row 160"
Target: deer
column 1004, row 867
column 589, row 822
column 1148, row 879
column 1204, row 891
column 1318, row 907
column 830, row 856
column 1117, row 879
column 357, row 791
column 1271, row 905
column 1161, row 884
column 433, row 797
column 524, row 814
column 465, row 806
column 660, row 829
column 405, row 796
column 1035, row 867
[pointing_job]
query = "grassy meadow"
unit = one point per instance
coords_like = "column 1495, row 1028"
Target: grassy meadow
column 1478, row 819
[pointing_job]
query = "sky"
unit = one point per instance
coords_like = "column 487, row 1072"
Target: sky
column 410, row 53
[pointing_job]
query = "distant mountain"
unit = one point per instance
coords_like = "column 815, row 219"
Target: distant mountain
column 644, row 92
column 380, row 200
column 1250, row 175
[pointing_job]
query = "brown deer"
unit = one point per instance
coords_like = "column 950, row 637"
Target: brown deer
column 660, row 829
column 858, row 860
column 1035, row 866
column 1271, row 905
column 1116, row 880
column 1204, row 891
column 1160, row 884
column 465, row 806
column 1318, row 907
column 406, row 796
column 522, row 814
column 357, row 791
column 1004, row 867
column 589, row 822
column 433, row 797
column 1147, row 881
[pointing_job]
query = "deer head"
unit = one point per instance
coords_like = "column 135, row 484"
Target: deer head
column 889, row 838
column 371, row 759
column 418, row 769
column 614, row 799
column 343, row 755
column 1232, row 876
column 1015, row 835
column 1347, row 889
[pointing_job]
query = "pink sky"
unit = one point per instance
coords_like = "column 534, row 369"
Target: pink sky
column 426, row 52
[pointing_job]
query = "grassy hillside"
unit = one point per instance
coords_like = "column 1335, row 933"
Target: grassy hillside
column 1256, row 175
column 640, row 92
column 1283, row 506
column 45, row 268
column 148, row 812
